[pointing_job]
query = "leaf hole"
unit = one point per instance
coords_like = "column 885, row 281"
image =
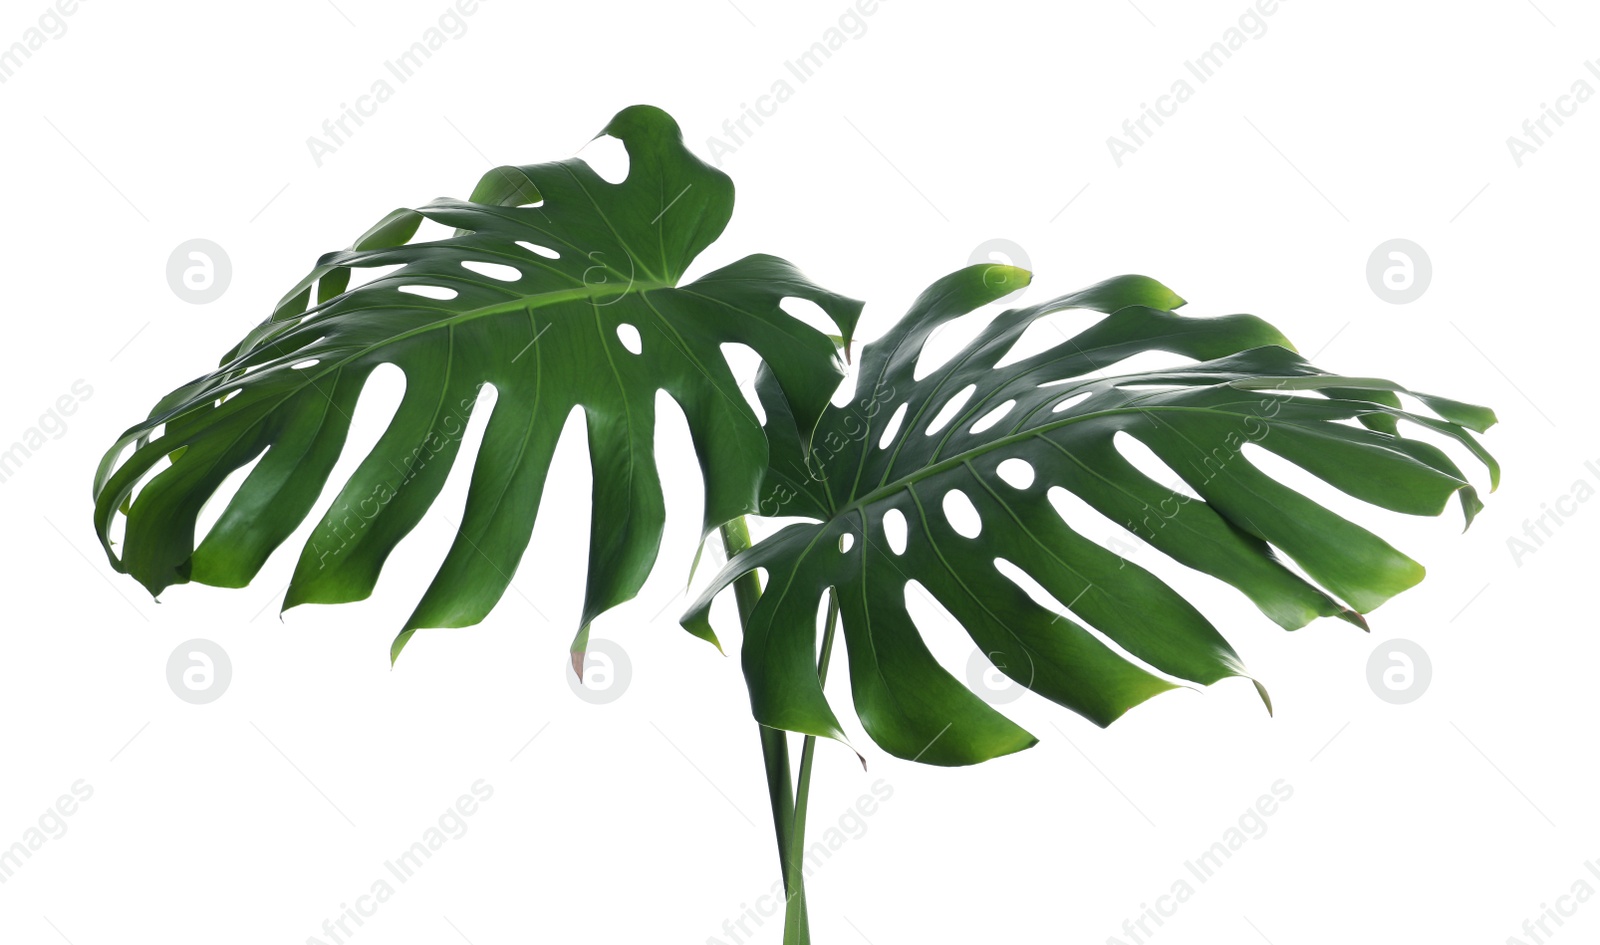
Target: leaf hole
column 1070, row 402
column 894, row 531
column 950, row 409
column 439, row 292
column 893, row 427
column 962, row 516
column 538, row 250
column 498, row 271
column 993, row 417
column 1016, row 473
column 629, row 336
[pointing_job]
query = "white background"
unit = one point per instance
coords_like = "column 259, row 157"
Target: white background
column 251, row 819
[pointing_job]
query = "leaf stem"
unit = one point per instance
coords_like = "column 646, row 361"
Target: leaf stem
column 775, row 755
column 802, row 792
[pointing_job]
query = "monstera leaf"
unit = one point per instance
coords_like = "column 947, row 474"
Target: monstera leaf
column 891, row 453
column 560, row 290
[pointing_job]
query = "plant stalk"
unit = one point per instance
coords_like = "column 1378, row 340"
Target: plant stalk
column 775, row 755
column 802, row 794
column 788, row 803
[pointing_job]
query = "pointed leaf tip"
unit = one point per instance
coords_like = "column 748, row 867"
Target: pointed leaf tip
column 580, row 649
column 1266, row 697
column 399, row 644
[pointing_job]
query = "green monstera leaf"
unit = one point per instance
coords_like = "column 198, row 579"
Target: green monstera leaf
column 904, row 445
column 560, row 290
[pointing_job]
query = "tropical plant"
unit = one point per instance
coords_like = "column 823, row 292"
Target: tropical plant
column 881, row 482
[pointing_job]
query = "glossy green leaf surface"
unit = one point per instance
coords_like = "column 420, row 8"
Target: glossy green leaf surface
column 560, row 290
column 1117, row 634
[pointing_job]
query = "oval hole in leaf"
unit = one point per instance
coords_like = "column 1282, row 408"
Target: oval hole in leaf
column 961, row 515
column 306, row 364
column 893, row 427
column 442, row 293
column 1017, row 473
column 993, row 417
column 538, row 250
column 950, row 409
column 1072, row 401
column 629, row 336
column 493, row 270
column 846, row 542
column 894, row 531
